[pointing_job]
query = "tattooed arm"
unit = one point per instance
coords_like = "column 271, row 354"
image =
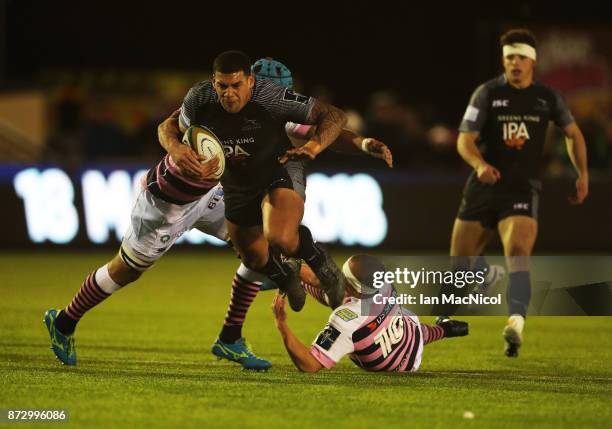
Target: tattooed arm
column 329, row 121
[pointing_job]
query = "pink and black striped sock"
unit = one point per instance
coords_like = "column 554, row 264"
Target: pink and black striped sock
column 89, row 295
column 316, row 293
column 243, row 294
column 431, row 333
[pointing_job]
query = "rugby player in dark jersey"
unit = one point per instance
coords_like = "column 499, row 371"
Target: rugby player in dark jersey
column 247, row 283
column 502, row 137
column 263, row 206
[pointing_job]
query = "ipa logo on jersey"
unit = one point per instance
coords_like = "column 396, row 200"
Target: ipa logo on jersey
column 515, row 134
column 204, row 142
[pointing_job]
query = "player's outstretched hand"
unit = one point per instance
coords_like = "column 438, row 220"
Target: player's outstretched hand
column 379, row 150
column 582, row 190
column 278, row 308
column 487, row 173
column 307, row 152
column 188, row 161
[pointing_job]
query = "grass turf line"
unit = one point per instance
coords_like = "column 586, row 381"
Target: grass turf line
column 144, row 360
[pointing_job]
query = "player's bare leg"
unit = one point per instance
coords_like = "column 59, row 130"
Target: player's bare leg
column 282, row 212
column 471, row 236
column 121, row 273
column 518, row 235
column 250, row 243
column 468, row 240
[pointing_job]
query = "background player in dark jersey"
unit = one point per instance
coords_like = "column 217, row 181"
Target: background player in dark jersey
column 508, row 117
column 263, row 207
column 385, row 337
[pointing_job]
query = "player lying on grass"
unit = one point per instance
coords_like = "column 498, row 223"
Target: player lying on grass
column 376, row 337
column 156, row 223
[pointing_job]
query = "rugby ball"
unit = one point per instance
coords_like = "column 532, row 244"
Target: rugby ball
column 204, row 142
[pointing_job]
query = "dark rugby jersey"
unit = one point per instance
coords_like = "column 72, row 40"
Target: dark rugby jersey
column 512, row 124
column 255, row 137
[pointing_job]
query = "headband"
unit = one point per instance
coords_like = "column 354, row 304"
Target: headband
column 354, row 281
column 520, row 49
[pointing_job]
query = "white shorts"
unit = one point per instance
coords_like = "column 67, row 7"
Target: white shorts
column 156, row 224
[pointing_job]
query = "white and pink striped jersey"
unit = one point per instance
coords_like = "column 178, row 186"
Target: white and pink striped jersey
column 166, row 181
column 386, row 337
column 299, row 134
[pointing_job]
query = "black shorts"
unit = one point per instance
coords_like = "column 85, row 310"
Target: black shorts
column 489, row 207
column 244, row 208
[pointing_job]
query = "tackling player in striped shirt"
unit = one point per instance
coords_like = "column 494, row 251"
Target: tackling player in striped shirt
column 376, row 337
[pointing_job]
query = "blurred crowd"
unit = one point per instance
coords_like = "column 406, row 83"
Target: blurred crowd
column 101, row 126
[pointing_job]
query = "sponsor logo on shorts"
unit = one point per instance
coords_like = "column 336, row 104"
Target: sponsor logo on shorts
column 218, row 196
column 521, row 206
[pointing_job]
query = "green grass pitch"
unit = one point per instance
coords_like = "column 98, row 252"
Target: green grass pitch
column 144, row 360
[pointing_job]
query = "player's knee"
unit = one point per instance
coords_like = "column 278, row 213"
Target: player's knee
column 254, row 261
column 286, row 241
column 516, row 249
column 121, row 273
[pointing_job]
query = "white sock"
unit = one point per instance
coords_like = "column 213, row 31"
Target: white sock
column 250, row 275
column 517, row 321
column 104, row 280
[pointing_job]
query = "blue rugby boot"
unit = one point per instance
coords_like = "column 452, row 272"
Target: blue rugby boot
column 240, row 352
column 62, row 345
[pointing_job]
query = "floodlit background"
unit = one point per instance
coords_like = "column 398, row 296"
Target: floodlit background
column 83, row 88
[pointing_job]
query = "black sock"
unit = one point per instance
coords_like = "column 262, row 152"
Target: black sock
column 230, row 333
column 518, row 294
column 274, row 268
column 307, row 249
column 65, row 324
column 480, row 264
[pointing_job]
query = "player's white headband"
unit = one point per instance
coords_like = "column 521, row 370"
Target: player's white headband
column 520, row 49
column 355, row 282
